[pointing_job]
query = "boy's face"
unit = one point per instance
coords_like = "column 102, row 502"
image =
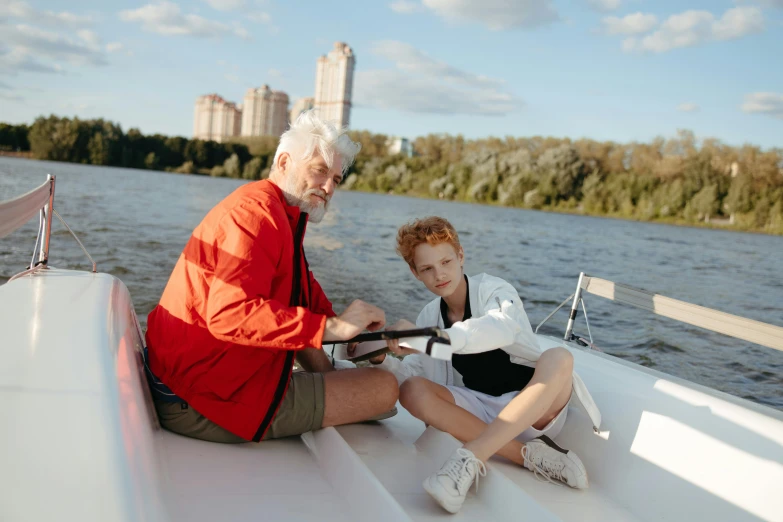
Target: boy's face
column 439, row 267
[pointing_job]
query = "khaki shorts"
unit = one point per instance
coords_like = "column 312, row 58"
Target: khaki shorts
column 302, row 410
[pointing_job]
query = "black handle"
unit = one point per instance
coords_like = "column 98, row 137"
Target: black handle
column 385, row 335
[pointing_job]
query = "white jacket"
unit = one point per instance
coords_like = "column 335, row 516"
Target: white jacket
column 499, row 321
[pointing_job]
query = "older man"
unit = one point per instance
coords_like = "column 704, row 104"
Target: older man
column 241, row 303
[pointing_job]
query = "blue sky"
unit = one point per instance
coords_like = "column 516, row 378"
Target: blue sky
column 622, row 70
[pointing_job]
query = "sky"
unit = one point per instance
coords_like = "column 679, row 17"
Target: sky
column 620, row 70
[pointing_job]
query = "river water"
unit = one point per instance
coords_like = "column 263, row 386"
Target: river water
column 135, row 223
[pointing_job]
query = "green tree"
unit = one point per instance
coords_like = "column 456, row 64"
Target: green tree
column 152, row 162
column 740, row 196
column 232, row 166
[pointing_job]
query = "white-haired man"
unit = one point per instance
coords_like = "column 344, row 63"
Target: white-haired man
column 241, row 303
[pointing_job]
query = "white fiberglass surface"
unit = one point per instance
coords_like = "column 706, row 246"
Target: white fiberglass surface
column 78, row 430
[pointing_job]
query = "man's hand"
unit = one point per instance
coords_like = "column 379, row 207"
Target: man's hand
column 359, row 316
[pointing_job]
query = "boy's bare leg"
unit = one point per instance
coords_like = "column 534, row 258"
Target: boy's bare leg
column 434, row 404
column 355, row 395
column 547, row 393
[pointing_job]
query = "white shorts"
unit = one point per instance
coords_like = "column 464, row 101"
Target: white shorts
column 487, row 407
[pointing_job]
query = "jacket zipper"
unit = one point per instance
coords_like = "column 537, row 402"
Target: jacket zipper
column 296, row 300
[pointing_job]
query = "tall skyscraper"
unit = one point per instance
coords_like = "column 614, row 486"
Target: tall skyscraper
column 264, row 112
column 334, row 84
column 301, row 105
column 215, row 118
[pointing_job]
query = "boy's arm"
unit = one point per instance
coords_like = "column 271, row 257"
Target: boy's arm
column 415, row 365
column 504, row 321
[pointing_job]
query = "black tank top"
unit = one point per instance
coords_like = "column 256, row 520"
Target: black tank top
column 490, row 372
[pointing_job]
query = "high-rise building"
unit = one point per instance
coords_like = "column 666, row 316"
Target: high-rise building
column 301, row 105
column 334, row 84
column 215, row 118
column 264, row 112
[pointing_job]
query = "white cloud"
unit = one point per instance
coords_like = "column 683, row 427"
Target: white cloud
column 227, row 5
column 605, row 5
column 688, row 107
column 637, row 23
column 10, row 97
column 274, row 73
column 28, row 48
column 89, row 37
column 27, row 40
column 419, row 83
column 497, row 15
column 698, row 27
column 23, row 11
column 241, row 32
column 769, row 103
column 248, row 10
column 410, row 59
column 738, row 22
column 13, row 61
column 113, row 47
column 405, row 6
column 233, row 78
column 260, row 17
column 166, row 18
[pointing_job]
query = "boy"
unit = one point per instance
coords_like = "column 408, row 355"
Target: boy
column 500, row 393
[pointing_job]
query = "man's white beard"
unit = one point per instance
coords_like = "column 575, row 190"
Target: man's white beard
column 316, row 211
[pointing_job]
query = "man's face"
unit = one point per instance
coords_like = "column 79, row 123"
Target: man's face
column 310, row 184
column 439, row 267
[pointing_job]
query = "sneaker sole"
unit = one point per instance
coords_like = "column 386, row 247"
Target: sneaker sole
column 445, row 503
column 581, row 481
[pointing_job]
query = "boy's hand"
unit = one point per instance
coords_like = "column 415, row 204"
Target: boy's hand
column 394, row 344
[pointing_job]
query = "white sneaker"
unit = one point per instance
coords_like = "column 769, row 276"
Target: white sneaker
column 450, row 485
column 548, row 460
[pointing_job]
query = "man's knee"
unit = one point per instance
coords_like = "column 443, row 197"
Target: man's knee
column 389, row 390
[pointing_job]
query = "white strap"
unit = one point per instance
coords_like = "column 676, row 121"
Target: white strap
column 757, row 332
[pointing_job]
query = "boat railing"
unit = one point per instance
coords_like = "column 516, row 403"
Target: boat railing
column 16, row 212
column 735, row 326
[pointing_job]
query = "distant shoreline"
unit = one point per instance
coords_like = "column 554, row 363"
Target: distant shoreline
column 670, row 222
column 718, row 224
column 14, row 154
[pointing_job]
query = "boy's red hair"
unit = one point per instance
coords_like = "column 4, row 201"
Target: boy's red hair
column 433, row 230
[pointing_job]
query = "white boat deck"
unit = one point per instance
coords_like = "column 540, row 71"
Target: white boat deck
column 79, row 441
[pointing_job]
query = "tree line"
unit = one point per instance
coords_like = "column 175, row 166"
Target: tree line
column 677, row 180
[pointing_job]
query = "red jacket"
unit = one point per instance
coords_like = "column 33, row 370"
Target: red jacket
column 240, row 301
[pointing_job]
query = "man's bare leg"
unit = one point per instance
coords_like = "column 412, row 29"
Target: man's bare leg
column 547, row 393
column 355, row 395
column 434, row 404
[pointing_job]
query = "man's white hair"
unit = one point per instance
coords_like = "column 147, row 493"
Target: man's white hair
column 310, row 135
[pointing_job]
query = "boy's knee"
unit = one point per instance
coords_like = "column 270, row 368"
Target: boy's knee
column 412, row 390
column 562, row 358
